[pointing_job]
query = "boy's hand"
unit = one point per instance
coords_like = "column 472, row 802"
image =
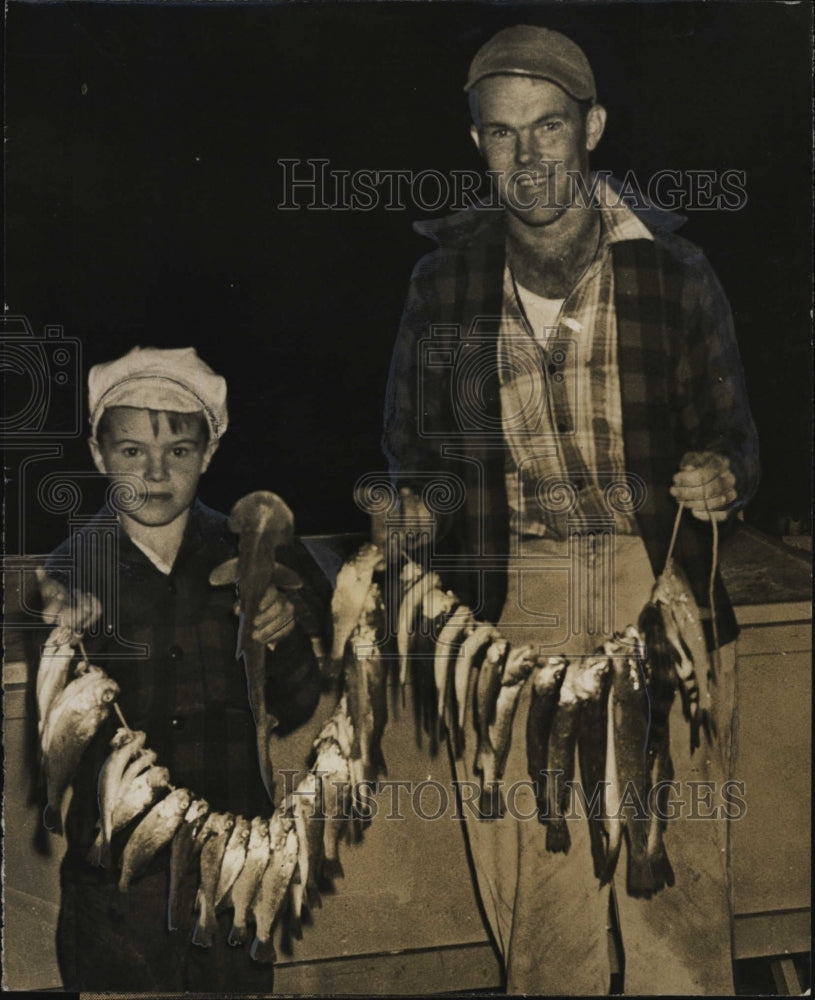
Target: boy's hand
column 275, row 617
column 77, row 614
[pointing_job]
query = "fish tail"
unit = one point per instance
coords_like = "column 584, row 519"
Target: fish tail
column 263, row 952
column 332, row 868
column 52, row 819
column 314, row 900
column 612, row 857
column 491, row 802
column 558, row 840
column 237, row 935
column 642, row 877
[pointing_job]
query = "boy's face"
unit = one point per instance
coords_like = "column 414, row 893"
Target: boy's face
column 169, row 462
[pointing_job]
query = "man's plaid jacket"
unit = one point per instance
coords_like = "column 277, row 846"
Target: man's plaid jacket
column 681, row 384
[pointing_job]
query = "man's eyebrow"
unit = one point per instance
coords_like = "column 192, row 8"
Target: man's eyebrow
column 538, row 121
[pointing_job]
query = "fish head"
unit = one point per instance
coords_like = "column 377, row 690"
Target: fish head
column 520, row 663
column 197, row 811
column 589, row 679
column 497, row 650
column 549, row 673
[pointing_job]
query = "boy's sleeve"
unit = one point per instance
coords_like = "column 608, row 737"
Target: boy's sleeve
column 294, row 678
column 292, row 681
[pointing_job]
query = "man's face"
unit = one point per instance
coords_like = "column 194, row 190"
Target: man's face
column 531, row 133
column 169, row 462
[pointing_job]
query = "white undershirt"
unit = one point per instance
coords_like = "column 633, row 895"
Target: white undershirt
column 542, row 313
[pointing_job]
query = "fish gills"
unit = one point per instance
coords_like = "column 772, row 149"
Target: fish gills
column 546, row 681
column 350, row 592
column 76, row 715
column 154, row 832
column 184, row 851
column 284, row 850
column 487, row 688
column 214, row 835
column 248, row 882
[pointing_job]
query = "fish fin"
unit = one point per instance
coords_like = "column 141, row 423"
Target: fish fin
column 285, row 578
column 226, row 572
column 332, row 868
column 325, row 885
column 558, row 840
column 612, row 857
column 52, row 820
column 237, row 936
column 314, row 900
column 263, row 952
column 490, row 803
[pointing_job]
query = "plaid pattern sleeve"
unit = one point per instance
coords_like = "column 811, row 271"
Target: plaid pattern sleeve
column 712, row 396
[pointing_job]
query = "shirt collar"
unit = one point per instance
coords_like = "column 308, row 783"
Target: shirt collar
column 619, row 222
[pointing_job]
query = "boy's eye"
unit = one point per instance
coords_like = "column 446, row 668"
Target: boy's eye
column 181, row 451
column 130, row 452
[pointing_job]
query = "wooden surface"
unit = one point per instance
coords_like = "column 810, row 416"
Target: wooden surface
column 405, row 918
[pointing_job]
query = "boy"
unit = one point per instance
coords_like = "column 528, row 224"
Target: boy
column 160, row 415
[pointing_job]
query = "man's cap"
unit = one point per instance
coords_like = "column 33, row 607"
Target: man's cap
column 527, row 50
column 156, row 379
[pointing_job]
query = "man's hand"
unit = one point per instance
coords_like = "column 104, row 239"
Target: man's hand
column 275, row 617
column 75, row 613
column 705, row 484
column 411, row 506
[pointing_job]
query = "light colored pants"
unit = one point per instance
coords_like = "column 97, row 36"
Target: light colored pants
column 546, row 911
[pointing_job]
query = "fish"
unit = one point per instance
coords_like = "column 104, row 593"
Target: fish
column 284, row 851
column 468, row 659
column 335, row 774
column 138, row 794
column 248, row 881
column 487, row 688
column 232, row 861
column 340, row 729
column 629, row 721
column 412, row 600
column 562, row 747
column 263, row 523
column 592, row 691
column 546, row 680
column 125, row 745
column 350, row 594
column 76, row 715
column 53, row 671
column 662, row 684
column 519, row 665
column 447, row 647
column 184, row 850
column 434, row 607
column 306, row 804
column 154, row 832
column 298, row 908
column 683, row 630
column 366, row 691
column 214, row 837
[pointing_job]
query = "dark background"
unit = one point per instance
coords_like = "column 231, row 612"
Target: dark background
column 142, row 190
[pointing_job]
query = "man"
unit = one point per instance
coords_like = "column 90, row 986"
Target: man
column 573, row 362
column 169, row 641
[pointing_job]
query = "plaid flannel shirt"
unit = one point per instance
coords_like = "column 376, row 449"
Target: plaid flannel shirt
column 188, row 693
column 681, row 385
column 571, row 367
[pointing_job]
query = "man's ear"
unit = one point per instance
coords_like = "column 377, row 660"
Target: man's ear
column 209, row 451
column 595, row 125
column 98, row 459
column 474, row 136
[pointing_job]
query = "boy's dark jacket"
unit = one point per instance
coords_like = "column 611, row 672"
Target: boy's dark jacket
column 172, row 650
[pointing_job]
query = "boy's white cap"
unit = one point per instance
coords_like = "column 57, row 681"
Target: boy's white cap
column 158, row 379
